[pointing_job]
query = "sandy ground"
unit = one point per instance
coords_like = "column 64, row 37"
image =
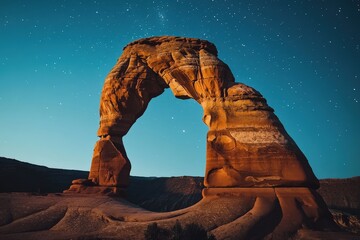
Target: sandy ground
column 246, row 214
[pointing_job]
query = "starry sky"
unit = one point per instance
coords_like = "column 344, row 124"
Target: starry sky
column 303, row 56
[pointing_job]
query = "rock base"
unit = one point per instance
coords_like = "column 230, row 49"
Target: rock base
column 227, row 213
column 276, row 212
column 104, row 190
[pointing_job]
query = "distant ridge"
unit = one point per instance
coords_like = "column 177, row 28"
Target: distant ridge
column 17, row 176
column 154, row 193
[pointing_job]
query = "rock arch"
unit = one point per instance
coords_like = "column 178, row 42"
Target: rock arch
column 247, row 146
column 258, row 182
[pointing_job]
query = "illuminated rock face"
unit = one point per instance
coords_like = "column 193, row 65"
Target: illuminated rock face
column 247, row 146
column 259, row 184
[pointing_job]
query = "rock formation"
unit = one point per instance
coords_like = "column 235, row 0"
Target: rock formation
column 250, row 157
column 247, row 146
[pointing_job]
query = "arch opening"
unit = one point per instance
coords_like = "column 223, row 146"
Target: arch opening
column 167, row 139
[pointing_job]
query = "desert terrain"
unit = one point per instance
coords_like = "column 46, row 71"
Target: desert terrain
column 34, row 207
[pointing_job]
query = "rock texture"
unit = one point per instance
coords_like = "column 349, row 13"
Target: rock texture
column 342, row 194
column 246, row 213
column 255, row 173
column 247, row 146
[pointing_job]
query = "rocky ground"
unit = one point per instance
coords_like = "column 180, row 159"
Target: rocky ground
column 40, row 184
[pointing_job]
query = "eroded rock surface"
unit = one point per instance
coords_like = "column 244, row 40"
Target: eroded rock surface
column 258, row 182
column 238, row 213
column 247, row 146
column 228, row 213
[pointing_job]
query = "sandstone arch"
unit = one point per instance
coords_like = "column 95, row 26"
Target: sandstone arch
column 256, row 177
column 247, row 146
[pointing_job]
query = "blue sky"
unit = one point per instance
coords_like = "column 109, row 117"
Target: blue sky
column 303, row 56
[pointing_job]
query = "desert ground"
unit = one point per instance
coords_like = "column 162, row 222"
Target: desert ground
column 34, row 207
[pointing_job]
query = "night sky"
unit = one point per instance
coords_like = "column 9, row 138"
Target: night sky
column 303, row 56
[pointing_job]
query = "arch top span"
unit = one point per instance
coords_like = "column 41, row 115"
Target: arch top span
column 173, row 42
column 189, row 67
column 247, row 146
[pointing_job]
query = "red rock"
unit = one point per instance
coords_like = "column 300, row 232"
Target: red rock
column 246, row 143
column 228, row 213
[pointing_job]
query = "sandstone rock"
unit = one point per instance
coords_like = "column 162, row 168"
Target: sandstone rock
column 246, row 143
column 228, row 213
column 110, row 167
column 255, row 173
column 109, row 173
column 346, row 221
